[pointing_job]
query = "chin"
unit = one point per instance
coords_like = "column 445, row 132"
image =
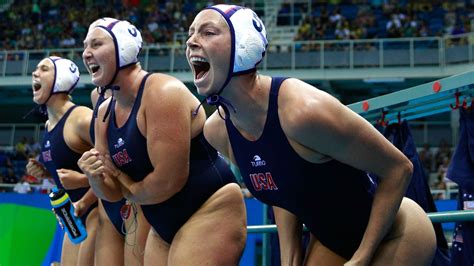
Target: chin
column 38, row 101
column 97, row 82
column 203, row 92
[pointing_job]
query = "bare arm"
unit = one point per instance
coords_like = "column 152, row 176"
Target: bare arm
column 83, row 117
column 215, row 133
column 82, row 205
column 101, row 181
column 166, row 123
column 94, row 97
column 360, row 145
column 289, row 227
column 72, row 179
column 289, row 236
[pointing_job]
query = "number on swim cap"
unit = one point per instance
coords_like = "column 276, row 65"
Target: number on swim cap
column 73, row 68
column 257, row 23
column 133, row 31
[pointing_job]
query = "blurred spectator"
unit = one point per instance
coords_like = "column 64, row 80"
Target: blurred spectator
column 444, row 151
column 32, row 148
column 5, row 160
column 22, row 187
column 336, row 18
column 439, row 184
column 36, row 25
column 47, row 184
column 443, row 169
column 394, row 27
column 342, row 31
column 10, row 178
column 410, row 28
column 426, row 159
column 53, row 24
column 20, row 149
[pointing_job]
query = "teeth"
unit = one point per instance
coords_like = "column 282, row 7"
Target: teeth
column 93, row 67
column 198, row 59
column 36, row 85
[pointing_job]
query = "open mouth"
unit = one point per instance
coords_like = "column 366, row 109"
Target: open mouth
column 201, row 67
column 94, row 68
column 36, row 86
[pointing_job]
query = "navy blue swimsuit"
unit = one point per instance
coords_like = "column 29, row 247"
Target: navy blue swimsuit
column 332, row 199
column 55, row 154
column 111, row 208
column 208, row 172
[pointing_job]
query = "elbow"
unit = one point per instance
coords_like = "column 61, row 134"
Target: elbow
column 176, row 185
column 165, row 191
column 407, row 171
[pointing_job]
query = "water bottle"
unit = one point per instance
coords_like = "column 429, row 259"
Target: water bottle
column 64, row 210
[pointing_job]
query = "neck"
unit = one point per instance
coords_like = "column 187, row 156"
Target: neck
column 249, row 95
column 56, row 106
column 128, row 79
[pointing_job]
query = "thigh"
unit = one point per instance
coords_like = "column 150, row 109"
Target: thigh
column 69, row 252
column 87, row 247
column 137, row 229
column 411, row 241
column 318, row 254
column 109, row 243
column 215, row 234
column 157, row 250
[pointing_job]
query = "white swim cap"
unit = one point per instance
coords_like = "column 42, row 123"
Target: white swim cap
column 66, row 75
column 127, row 40
column 248, row 36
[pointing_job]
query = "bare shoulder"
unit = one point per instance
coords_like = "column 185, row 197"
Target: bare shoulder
column 163, row 83
column 301, row 104
column 216, row 133
column 94, row 97
column 164, row 91
column 80, row 110
column 103, row 108
column 82, row 115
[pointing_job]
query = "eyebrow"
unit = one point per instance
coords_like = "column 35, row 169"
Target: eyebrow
column 205, row 24
column 42, row 66
column 93, row 39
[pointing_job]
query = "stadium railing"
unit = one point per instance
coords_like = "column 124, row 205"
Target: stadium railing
column 292, row 55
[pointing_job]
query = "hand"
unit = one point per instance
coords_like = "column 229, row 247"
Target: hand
column 80, row 208
column 91, row 165
column 109, row 166
column 72, row 179
column 36, row 169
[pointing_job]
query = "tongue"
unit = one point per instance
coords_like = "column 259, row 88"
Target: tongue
column 201, row 74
